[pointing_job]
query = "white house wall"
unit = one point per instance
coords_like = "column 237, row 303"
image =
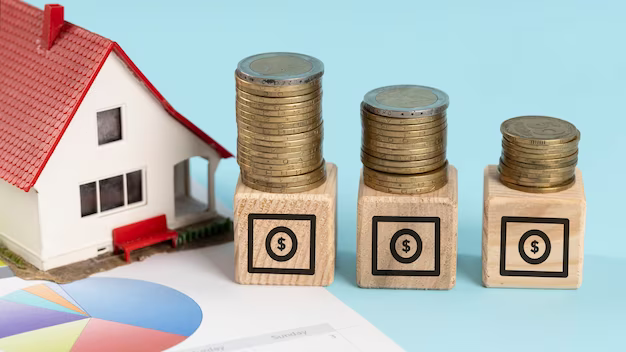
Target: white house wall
column 19, row 222
column 152, row 140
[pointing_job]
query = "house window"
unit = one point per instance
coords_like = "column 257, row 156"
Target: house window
column 111, row 193
column 134, row 187
column 109, row 125
column 88, row 199
column 117, row 192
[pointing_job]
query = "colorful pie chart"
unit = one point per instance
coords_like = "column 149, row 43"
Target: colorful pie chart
column 96, row 314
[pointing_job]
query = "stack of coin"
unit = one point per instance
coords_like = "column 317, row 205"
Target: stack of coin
column 404, row 139
column 539, row 154
column 279, row 121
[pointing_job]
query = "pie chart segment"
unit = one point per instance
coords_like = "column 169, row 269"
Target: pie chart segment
column 59, row 290
column 17, row 318
column 139, row 303
column 49, row 294
column 25, row 297
column 105, row 336
column 57, row 338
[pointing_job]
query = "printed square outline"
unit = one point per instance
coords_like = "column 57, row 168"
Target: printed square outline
column 256, row 270
column 533, row 273
column 421, row 219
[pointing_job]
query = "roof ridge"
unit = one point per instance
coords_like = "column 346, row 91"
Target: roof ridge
column 49, row 86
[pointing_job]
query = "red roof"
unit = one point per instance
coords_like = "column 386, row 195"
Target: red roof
column 40, row 90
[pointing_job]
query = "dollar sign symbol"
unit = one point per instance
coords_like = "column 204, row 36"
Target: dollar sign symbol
column 406, row 247
column 534, row 245
column 281, row 244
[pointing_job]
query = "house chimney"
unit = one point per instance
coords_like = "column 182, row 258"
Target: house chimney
column 52, row 23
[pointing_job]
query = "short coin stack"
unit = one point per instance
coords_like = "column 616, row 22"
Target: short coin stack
column 539, row 154
column 279, row 121
column 404, row 139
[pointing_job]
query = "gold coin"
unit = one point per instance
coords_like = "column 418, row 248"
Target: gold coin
column 260, row 150
column 278, row 132
column 431, row 138
column 278, row 113
column 290, row 154
column 283, row 185
column 423, row 184
column 294, row 172
column 245, row 85
column 280, row 161
column 402, row 128
column 259, row 164
column 415, row 190
column 314, row 121
column 252, row 143
column 380, row 145
column 545, row 170
column 438, row 148
column 537, row 174
column 315, row 174
column 537, row 166
column 439, row 182
column 263, row 106
column 407, row 163
column 545, row 162
column 278, row 119
column 515, row 153
column 405, row 134
column 287, row 189
column 557, row 188
column 316, row 132
column 284, row 138
column 435, row 174
column 400, row 120
column 404, row 170
column 278, row 94
column 397, row 157
column 290, row 181
column 278, row 101
column 541, row 149
column 290, row 158
column 534, row 182
column 273, row 167
column 538, row 130
column 288, row 91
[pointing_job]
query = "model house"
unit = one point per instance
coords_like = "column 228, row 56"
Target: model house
column 87, row 143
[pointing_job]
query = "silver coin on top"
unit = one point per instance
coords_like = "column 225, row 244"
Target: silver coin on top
column 280, row 69
column 406, row 101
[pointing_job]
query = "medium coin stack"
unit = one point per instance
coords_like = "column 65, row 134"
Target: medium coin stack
column 404, row 139
column 539, row 154
column 279, row 122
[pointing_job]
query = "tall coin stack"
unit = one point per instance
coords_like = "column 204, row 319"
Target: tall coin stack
column 539, row 154
column 404, row 139
column 279, row 121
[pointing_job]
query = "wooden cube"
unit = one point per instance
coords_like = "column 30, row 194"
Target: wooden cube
column 407, row 241
column 286, row 239
column 532, row 239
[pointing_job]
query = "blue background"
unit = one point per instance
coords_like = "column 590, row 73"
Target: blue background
column 495, row 59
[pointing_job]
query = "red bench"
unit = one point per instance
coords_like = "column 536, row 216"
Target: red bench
column 142, row 234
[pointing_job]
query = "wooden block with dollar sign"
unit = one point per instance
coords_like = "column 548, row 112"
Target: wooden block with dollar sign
column 532, row 239
column 286, row 239
column 408, row 241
